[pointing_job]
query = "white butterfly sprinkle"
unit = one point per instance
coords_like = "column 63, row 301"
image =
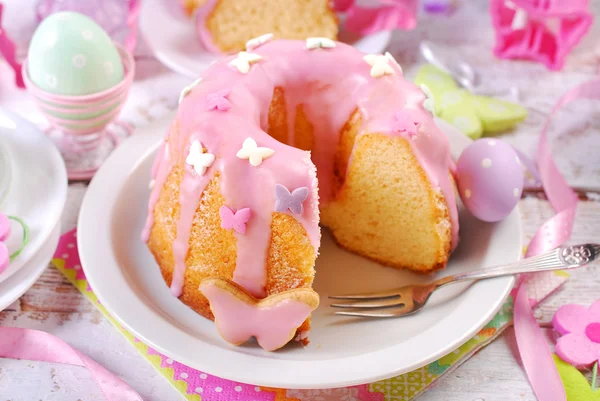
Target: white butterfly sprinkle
column 252, row 152
column 243, row 61
column 198, row 159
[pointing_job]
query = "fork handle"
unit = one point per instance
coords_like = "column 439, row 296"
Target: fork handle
column 564, row 257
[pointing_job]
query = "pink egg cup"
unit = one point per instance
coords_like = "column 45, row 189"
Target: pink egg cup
column 85, row 128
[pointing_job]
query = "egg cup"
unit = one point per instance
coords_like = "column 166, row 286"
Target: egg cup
column 84, row 128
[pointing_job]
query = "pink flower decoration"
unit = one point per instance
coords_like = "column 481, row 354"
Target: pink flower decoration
column 386, row 16
column 4, row 227
column 405, row 122
column 580, row 330
column 236, row 220
column 218, row 101
column 542, row 31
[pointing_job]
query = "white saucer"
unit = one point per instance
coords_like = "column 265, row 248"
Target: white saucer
column 173, row 39
column 12, row 288
column 343, row 351
column 38, row 185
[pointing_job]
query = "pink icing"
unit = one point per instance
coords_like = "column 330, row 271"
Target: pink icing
column 330, row 84
column 237, row 321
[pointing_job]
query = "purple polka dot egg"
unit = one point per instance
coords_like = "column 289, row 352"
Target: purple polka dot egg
column 490, row 179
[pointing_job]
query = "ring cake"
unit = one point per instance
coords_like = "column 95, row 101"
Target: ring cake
column 271, row 142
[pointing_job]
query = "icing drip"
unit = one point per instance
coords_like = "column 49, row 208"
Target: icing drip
column 159, row 173
column 329, row 85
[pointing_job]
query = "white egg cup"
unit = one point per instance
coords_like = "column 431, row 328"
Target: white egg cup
column 84, row 128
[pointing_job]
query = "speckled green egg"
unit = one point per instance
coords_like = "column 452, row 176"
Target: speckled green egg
column 70, row 54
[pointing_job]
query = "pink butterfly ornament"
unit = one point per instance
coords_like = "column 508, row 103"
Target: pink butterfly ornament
column 580, row 330
column 544, row 32
column 235, row 220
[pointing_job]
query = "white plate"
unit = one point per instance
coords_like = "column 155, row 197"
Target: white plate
column 343, row 351
column 38, row 188
column 5, row 172
column 12, row 288
column 173, row 39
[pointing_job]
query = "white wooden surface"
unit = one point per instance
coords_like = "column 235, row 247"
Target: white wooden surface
column 493, row 374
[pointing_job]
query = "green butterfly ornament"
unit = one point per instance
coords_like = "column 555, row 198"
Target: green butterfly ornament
column 576, row 385
column 472, row 114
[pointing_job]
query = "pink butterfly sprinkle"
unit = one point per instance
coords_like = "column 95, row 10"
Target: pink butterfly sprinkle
column 218, row 101
column 236, row 220
column 405, row 122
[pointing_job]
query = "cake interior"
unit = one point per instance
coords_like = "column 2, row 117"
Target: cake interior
column 233, row 20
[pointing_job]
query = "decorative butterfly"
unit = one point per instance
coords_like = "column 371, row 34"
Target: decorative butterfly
column 542, row 31
column 472, row 114
column 576, row 385
column 272, row 321
column 218, row 101
column 284, row 199
column 236, row 220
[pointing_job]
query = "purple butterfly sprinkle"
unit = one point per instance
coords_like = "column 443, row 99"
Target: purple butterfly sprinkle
column 284, row 199
column 218, row 101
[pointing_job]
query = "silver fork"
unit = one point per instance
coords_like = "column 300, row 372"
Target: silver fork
column 411, row 298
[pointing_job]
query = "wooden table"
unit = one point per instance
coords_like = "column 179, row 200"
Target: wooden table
column 53, row 305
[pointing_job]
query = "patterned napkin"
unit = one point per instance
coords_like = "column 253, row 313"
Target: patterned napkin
column 195, row 385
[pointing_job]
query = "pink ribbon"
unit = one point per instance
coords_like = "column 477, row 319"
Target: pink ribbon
column 384, row 15
column 535, row 354
column 39, row 346
column 8, row 50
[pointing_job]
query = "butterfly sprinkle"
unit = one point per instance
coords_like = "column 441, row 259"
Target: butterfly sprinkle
column 234, row 220
column 254, row 153
column 199, row 160
column 284, row 199
column 218, row 101
column 405, row 122
column 319, row 43
column 243, row 61
column 379, row 64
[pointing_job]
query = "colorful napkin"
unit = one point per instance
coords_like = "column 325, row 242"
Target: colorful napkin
column 195, row 385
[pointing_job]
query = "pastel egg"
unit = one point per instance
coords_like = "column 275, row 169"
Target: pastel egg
column 490, row 179
column 70, row 54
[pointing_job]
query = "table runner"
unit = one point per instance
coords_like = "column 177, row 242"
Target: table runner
column 195, row 385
